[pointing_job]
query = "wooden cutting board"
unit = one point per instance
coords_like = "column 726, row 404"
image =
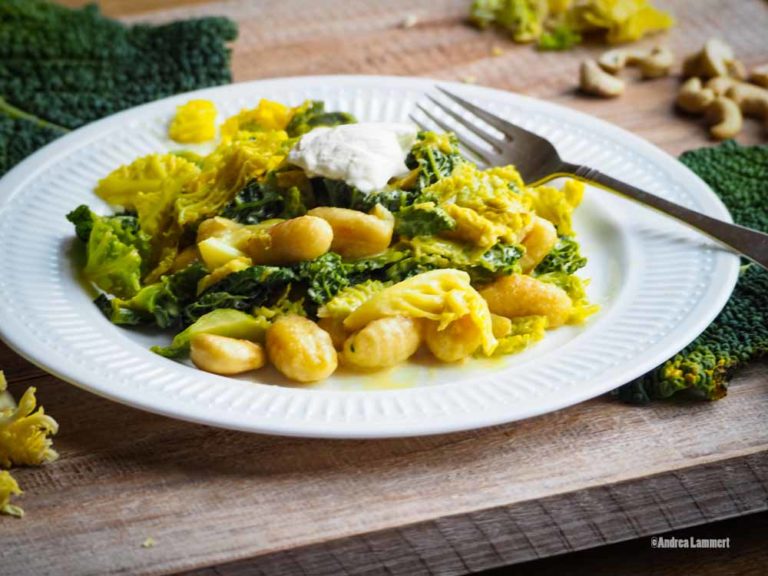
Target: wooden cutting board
column 589, row 475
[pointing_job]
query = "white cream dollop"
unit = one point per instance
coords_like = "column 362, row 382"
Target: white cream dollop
column 364, row 155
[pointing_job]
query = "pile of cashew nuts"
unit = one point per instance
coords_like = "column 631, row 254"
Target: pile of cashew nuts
column 719, row 87
column 600, row 77
column 716, row 85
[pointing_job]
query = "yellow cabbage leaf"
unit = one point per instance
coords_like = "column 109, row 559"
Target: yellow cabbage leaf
column 24, row 432
column 194, row 122
column 350, row 299
column 556, row 205
column 268, row 115
column 227, row 170
column 525, row 331
column 623, row 20
column 145, row 182
column 440, row 295
column 486, row 204
column 8, row 488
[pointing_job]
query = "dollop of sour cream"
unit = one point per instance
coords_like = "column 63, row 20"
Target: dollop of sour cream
column 364, row 155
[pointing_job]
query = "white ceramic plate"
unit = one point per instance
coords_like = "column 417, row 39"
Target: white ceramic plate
column 659, row 285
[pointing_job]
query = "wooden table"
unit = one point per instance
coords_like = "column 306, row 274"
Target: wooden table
column 593, row 474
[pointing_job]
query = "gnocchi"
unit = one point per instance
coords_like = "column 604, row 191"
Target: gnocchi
column 383, row 343
column 457, row 341
column 541, row 238
column 356, row 234
column 520, row 295
column 300, row 349
column 289, row 242
column 224, row 355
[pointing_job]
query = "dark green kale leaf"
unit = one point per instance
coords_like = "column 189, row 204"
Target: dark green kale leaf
column 339, row 194
column 314, row 116
column 374, row 267
column 259, row 201
column 565, row 257
column 68, row 67
column 322, row 277
column 435, row 156
column 738, row 174
column 424, row 219
column 160, row 304
column 244, row 290
column 499, row 260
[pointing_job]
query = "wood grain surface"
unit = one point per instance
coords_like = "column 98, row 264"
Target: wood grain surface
column 591, row 475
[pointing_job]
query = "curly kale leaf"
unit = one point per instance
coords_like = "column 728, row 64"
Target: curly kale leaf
column 322, row 277
column 435, row 156
column 430, row 253
column 339, row 194
column 21, row 134
column 498, row 260
column 374, row 267
column 314, row 115
column 423, row 219
column 259, row 201
column 67, row 67
column 565, row 257
column 244, row 290
column 160, row 304
column 116, row 250
column 740, row 333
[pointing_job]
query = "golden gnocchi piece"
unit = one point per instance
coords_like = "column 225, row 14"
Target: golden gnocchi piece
column 289, row 242
column 356, row 234
column 224, row 355
column 457, row 341
column 300, row 349
column 383, row 343
column 519, row 295
column 538, row 243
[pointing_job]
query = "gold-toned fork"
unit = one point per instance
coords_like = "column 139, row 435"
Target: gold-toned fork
column 538, row 161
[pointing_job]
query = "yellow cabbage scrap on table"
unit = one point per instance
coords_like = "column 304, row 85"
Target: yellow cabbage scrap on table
column 24, row 440
column 559, row 24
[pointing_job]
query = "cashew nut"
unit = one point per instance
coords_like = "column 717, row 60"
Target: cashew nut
column 693, row 98
column 751, row 99
column 725, row 118
column 721, row 84
column 594, row 80
column 613, row 61
column 715, row 59
column 759, row 75
column 658, row 62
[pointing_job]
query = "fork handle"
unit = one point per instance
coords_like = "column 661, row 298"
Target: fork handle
column 746, row 241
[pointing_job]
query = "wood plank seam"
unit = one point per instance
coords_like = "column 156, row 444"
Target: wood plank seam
column 549, row 521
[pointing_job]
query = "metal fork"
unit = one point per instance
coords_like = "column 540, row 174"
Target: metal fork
column 538, row 161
